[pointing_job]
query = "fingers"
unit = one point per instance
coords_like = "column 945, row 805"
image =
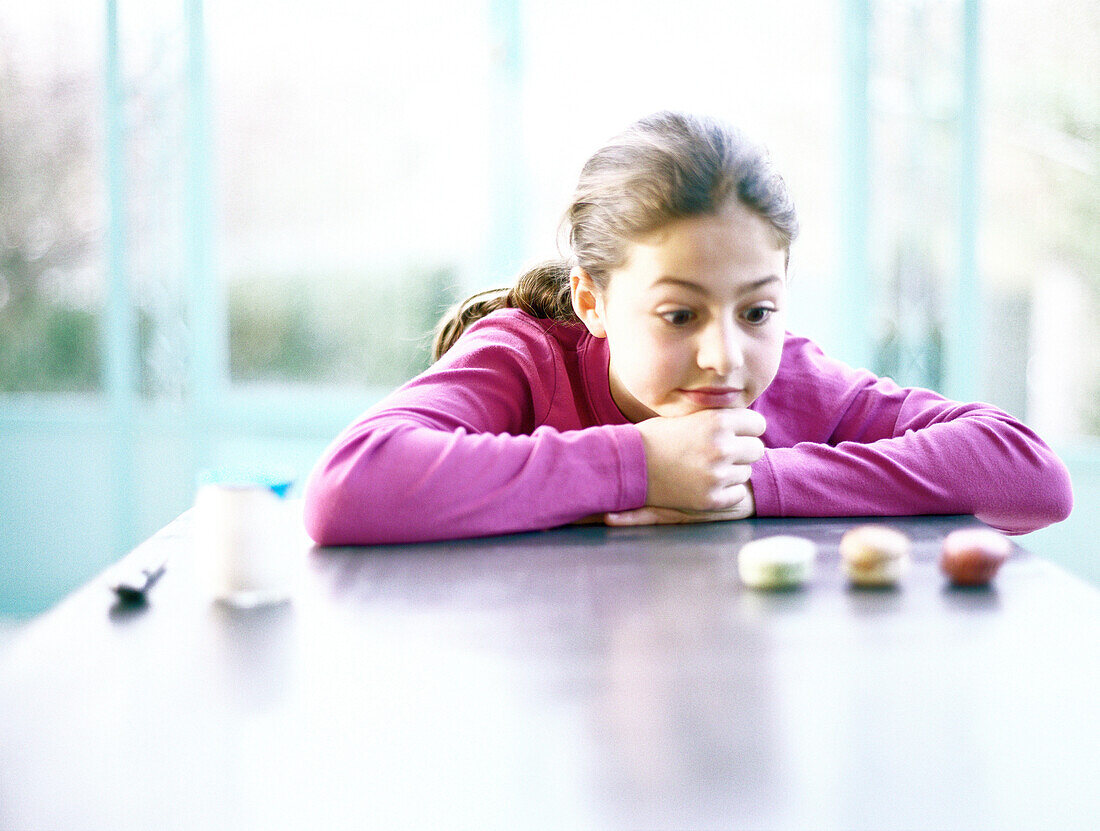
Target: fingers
column 728, row 460
column 750, row 423
column 741, row 422
column 742, row 450
column 699, row 461
column 732, row 432
column 638, row 516
column 727, row 496
column 654, row 515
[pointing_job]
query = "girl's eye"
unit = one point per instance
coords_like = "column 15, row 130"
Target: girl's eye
column 758, row 315
column 679, row 317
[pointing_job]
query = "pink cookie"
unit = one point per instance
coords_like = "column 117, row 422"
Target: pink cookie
column 972, row 556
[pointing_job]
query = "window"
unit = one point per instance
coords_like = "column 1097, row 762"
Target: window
column 227, row 228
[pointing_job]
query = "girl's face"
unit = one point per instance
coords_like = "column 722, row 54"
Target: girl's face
column 694, row 319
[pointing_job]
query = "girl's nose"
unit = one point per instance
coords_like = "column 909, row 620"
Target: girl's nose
column 720, row 349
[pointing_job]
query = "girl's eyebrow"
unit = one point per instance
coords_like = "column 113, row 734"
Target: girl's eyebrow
column 748, row 288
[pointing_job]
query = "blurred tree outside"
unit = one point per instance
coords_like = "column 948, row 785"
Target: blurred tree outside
column 349, row 328
column 316, row 328
column 51, row 193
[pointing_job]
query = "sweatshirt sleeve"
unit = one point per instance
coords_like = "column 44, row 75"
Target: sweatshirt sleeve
column 843, row 442
column 463, row 450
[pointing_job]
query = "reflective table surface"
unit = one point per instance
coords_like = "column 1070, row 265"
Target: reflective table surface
column 586, row 677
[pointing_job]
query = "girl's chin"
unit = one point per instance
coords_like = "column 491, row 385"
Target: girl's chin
column 682, row 405
column 687, row 405
column 678, row 409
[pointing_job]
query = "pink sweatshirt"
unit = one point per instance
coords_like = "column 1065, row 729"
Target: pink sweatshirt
column 514, row 429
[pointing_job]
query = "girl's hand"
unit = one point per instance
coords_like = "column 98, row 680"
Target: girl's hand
column 700, row 463
column 651, row 515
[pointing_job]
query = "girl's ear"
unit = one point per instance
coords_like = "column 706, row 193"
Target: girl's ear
column 587, row 301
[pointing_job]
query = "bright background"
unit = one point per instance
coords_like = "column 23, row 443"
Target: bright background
column 226, row 231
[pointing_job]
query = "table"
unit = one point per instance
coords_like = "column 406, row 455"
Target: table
column 586, row 677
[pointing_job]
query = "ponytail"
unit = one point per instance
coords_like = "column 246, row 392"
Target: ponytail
column 541, row 292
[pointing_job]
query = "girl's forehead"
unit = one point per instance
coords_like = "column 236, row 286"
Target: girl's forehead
column 734, row 217
column 733, row 241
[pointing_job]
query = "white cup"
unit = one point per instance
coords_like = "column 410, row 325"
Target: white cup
column 245, row 539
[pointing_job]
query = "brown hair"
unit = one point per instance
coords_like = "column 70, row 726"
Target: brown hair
column 665, row 167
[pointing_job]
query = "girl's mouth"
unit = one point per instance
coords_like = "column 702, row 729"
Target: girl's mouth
column 714, row 397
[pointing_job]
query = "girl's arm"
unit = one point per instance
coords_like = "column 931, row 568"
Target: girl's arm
column 458, row 452
column 845, row 443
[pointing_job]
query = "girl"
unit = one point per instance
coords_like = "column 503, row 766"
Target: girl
column 649, row 379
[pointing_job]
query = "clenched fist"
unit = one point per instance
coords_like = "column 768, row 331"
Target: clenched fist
column 701, row 462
